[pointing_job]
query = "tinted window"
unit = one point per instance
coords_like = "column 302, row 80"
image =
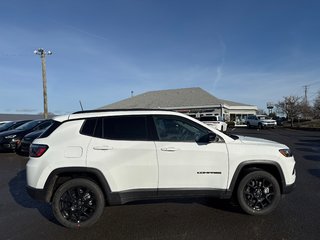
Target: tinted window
column 178, row 129
column 5, row 126
column 125, row 128
column 208, row 118
column 50, row 129
column 29, row 125
column 88, row 127
column 43, row 125
column 17, row 124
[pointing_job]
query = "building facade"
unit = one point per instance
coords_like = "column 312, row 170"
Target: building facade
column 192, row 101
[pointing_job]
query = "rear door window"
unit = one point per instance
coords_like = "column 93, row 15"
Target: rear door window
column 125, row 128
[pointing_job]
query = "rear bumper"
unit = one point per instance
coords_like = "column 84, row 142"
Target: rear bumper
column 38, row 194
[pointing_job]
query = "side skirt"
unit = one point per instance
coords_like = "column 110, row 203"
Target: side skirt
column 118, row 198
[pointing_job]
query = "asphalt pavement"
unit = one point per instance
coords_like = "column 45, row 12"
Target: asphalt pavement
column 297, row 216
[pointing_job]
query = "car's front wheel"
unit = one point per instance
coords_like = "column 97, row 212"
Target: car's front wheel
column 258, row 193
column 78, row 203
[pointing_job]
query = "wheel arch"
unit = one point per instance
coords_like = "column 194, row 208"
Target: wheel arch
column 60, row 175
column 249, row 166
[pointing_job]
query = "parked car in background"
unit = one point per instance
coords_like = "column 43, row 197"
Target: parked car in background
column 10, row 139
column 214, row 122
column 280, row 121
column 9, row 125
column 260, row 121
column 24, row 145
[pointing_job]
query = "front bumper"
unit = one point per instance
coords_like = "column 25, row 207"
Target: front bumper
column 6, row 146
column 269, row 124
column 24, row 146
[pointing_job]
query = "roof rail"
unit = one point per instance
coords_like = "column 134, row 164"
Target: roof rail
column 124, row 109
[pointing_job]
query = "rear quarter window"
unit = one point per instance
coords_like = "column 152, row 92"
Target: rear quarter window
column 88, row 127
column 92, row 127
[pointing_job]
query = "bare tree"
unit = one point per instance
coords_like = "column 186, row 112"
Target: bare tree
column 261, row 112
column 316, row 106
column 306, row 110
column 291, row 107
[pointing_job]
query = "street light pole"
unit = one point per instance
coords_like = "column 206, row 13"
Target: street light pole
column 43, row 54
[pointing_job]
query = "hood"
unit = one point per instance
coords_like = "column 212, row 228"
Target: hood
column 268, row 120
column 10, row 132
column 260, row 141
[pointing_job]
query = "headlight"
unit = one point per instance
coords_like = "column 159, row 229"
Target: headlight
column 286, row 152
column 10, row 136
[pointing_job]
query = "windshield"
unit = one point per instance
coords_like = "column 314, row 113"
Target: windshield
column 262, row 117
column 6, row 125
column 29, row 125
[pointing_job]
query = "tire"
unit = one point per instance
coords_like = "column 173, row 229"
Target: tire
column 258, row 193
column 259, row 126
column 248, row 125
column 78, row 203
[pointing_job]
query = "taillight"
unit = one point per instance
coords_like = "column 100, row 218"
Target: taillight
column 37, row 150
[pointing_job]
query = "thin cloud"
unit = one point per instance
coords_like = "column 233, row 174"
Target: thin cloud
column 26, row 110
column 219, row 69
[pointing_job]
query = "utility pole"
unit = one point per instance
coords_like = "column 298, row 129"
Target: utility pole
column 306, row 93
column 43, row 55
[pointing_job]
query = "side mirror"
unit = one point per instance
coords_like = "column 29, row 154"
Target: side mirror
column 208, row 138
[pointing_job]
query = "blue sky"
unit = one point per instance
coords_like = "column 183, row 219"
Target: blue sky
column 246, row 51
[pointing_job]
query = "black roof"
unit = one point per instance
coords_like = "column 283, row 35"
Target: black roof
column 115, row 110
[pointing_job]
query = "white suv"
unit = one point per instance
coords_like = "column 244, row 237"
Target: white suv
column 260, row 121
column 89, row 159
column 214, row 122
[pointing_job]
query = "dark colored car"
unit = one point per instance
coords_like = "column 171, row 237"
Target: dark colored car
column 12, row 125
column 24, row 145
column 10, row 139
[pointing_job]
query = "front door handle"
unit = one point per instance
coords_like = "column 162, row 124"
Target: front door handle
column 102, row 148
column 169, row 149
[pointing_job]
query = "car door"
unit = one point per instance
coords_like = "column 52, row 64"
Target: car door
column 185, row 163
column 124, row 154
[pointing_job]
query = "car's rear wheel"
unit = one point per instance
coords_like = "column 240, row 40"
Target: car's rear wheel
column 258, row 193
column 78, row 203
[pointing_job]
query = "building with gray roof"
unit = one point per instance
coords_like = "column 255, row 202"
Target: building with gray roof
column 192, row 101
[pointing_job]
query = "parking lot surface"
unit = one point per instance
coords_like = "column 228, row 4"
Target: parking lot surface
column 297, row 216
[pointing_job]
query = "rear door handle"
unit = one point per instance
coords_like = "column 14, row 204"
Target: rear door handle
column 102, row 148
column 169, row 149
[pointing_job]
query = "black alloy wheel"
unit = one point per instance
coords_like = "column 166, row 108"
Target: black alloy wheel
column 78, row 203
column 258, row 193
